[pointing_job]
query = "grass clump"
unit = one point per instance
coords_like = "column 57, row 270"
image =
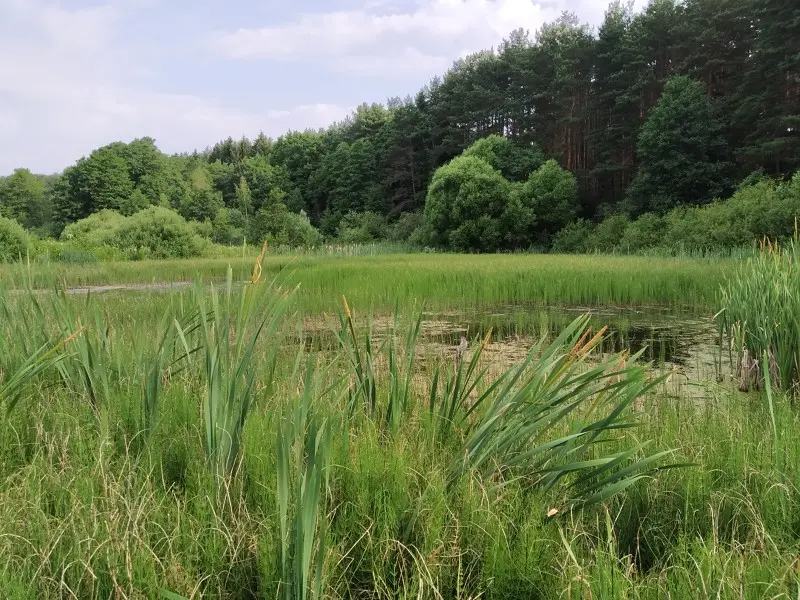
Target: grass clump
column 761, row 316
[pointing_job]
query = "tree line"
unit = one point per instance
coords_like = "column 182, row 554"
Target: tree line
column 670, row 107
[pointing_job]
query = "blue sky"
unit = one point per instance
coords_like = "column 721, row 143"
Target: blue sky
column 77, row 74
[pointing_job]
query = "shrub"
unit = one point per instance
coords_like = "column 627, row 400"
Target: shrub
column 551, row 194
column 467, row 204
column 515, row 161
column 573, row 238
column 764, row 209
column 362, row 228
column 202, row 228
column 277, row 224
column 645, row 232
column 158, row 232
column 608, row 234
column 94, row 231
column 134, row 203
column 406, row 226
column 14, row 241
column 223, row 230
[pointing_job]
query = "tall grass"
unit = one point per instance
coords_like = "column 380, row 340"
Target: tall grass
column 439, row 280
column 456, row 475
column 230, row 327
column 761, row 315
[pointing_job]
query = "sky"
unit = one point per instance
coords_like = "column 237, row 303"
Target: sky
column 78, row 74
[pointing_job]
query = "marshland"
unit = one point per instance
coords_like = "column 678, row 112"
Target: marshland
column 284, row 430
column 532, row 332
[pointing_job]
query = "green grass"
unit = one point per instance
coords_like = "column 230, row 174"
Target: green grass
column 759, row 316
column 443, row 280
column 372, row 465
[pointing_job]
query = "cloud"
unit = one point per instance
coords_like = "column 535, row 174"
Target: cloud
column 417, row 39
column 66, row 87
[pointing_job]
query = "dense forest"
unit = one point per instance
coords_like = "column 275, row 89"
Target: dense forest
column 531, row 144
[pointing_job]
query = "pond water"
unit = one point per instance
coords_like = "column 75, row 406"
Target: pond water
column 685, row 346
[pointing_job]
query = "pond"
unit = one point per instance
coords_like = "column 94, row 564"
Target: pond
column 684, row 346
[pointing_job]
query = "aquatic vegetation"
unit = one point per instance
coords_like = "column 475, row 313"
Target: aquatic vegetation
column 760, row 316
column 225, row 441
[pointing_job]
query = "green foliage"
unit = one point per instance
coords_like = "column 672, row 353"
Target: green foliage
column 648, row 231
column 227, row 229
column 300, row 154
column 96, row 230
column 765, row 209
column 362, row 228
column 652, row 111
column 205, row 229
column 406, row 226
column 267, row 183
column 23, row 198
column 513, row 160
column 235, row 323
column 574, row 237
column 157, row 232
column 467, row 205
column 681, row 150
column 14, row 241
column 346, row 181
column 202, row 201
column 101, row 180
column 278, row 225
column 134, row 203
column 761, row 317
column 551, row 195
column 608, row 233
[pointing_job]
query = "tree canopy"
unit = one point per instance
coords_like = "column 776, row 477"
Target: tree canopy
column 669, row 107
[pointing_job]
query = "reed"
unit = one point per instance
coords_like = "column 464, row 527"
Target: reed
column 440, row 280
column 230, row 327
column 270, row 468
column 760, row 316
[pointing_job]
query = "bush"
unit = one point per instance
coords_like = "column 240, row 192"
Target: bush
column 764, row 209
column 514, row 161
column 282, row 227
column 94, row 231
column 608, row 234
column 551, row 194
column 202, row 228
column 467, row 205
column 362, row 228
column 158, row 232
column 573, row 238
column 405, row 227
column 645, row 232
column 15, row 243
column 226, row 229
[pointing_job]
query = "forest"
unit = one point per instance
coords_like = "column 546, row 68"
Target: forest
column 677, row 127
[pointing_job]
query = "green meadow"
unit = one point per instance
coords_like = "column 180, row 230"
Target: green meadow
column 400, row 426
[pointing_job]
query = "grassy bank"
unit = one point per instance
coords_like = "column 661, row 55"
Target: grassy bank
column 440, row 280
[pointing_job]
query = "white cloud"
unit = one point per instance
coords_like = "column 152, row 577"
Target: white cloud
column 65, row 90
column 418, row 39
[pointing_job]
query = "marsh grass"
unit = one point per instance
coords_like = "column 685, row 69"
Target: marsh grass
column 441, row 280
column 472, row 477
column 760, row 316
